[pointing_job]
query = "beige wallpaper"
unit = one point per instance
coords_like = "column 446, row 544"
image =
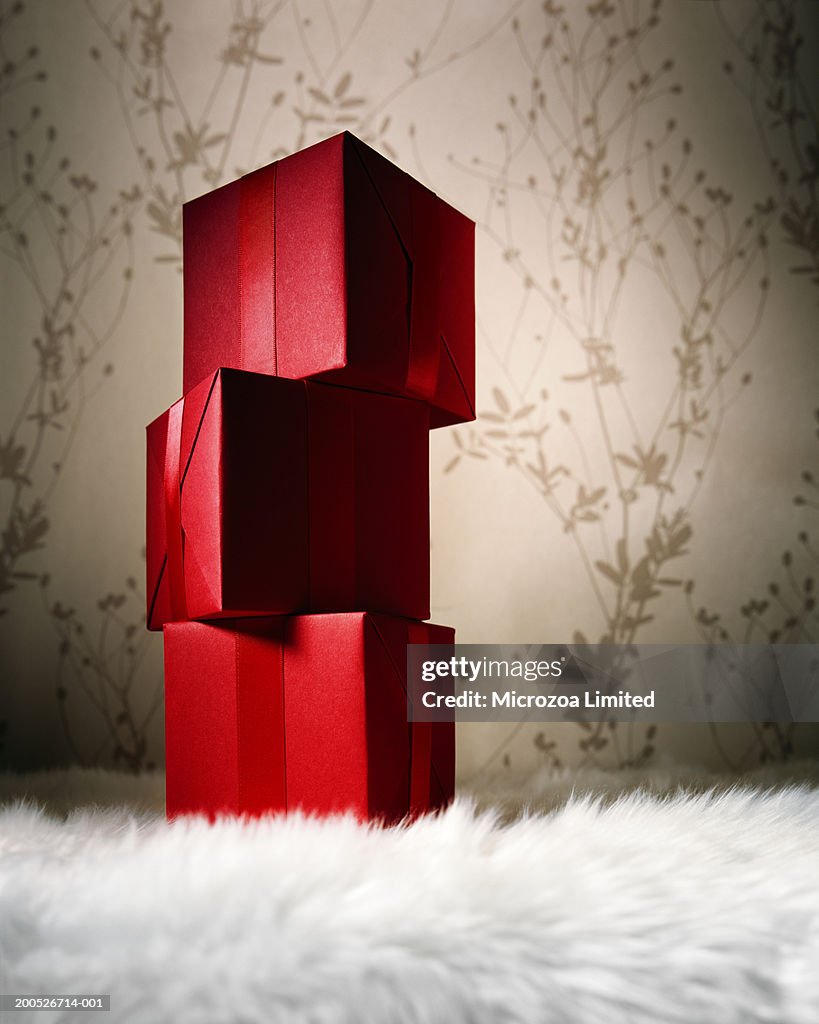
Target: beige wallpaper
column 644, row 177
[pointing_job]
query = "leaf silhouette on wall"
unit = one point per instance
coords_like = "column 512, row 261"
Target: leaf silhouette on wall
column 598, row 218
column 185, row 141
column 786, row 614
column 775, row 71
column 623, row 209
column 65, row 249
column 100, row 676
column 182, row 143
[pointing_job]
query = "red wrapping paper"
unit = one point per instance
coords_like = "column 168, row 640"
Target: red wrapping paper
column 334, row 264
column 269, row 496
column 301, row 712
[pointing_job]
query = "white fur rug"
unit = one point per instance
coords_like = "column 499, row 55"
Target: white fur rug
column 689, row 909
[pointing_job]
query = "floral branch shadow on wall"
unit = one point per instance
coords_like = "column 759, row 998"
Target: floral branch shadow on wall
column 622, row 208
column 185, row 141
column 592, row 198
column 75, row 254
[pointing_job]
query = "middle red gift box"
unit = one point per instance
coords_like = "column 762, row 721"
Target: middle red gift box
column 269, row 496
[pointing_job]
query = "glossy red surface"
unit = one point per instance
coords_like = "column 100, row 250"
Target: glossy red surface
column 334, row 263
column 303, row 712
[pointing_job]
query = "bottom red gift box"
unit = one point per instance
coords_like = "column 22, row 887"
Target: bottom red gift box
column 301, row 712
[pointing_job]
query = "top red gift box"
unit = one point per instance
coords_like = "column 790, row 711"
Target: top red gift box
column 334, row 264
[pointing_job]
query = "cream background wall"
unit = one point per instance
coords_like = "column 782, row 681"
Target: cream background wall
column 644, row 179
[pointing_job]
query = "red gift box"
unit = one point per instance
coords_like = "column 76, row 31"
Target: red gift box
column 271, row 496
column 302, row 712
column 335, row 264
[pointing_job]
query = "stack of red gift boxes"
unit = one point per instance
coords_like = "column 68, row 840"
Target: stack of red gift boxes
column 329, row 323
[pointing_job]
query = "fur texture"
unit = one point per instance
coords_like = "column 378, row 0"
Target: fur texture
column 686, row 909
